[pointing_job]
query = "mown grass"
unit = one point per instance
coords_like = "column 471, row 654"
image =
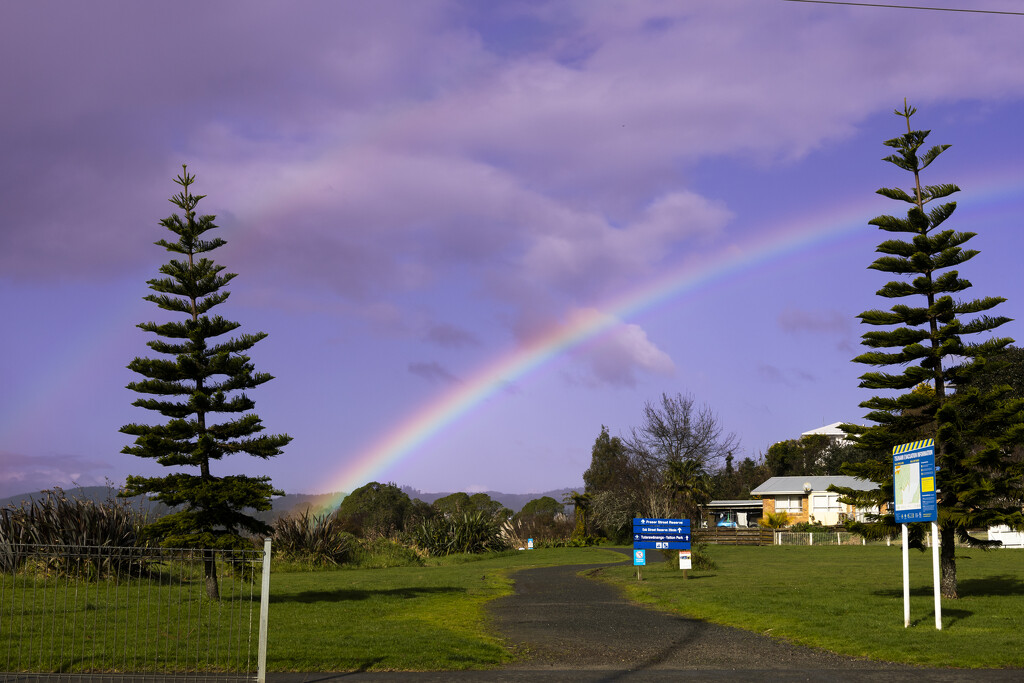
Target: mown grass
column 849, row 599
column 395, row 618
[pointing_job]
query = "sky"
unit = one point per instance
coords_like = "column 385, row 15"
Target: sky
column 475, row 233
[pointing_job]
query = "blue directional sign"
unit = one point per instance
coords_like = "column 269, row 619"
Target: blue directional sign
column 913, row 466
column 661, row 534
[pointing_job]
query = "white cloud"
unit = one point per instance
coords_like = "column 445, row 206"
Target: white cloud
column 617, row 356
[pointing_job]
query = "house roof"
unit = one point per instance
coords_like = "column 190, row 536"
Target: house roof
column 828, row 430
column 795, row 485
column 735, row 504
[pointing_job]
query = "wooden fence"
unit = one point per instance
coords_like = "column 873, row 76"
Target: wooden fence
column 735, row 536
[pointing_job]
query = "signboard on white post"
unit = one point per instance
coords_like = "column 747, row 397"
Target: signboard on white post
column 685, row 561
column 914, row 491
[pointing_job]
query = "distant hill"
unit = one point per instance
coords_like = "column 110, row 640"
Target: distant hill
column 292, row 503
column 513, row 501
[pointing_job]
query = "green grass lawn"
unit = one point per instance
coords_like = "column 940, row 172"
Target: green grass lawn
column 403, row 618
column 397, row 618
column 849, row 599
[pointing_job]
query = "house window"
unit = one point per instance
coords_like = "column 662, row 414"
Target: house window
column 824, row 503
column 789, row 503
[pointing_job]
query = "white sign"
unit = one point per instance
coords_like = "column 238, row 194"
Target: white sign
column 529, row 544
column 685, row 560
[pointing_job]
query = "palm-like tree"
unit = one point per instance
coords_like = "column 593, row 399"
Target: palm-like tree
column 581, row 505
column 775, row 520
column 690, row 485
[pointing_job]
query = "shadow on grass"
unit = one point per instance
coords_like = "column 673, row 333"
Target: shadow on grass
column 363, row 668
column 949, row 617
column 1004, row 584
column 346, row 595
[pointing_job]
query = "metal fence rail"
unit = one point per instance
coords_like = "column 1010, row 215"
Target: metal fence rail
column 100, row 613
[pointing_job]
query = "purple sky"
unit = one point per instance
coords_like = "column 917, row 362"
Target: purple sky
column 411, row 189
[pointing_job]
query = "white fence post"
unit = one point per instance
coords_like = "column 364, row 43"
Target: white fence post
column 261, row 672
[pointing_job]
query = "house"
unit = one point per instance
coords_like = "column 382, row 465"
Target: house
column 836, row 436
column 806, row 499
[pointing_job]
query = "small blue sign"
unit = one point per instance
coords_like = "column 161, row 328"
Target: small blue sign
column 639, row 557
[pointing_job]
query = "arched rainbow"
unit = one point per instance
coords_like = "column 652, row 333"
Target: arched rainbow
column 809, row 232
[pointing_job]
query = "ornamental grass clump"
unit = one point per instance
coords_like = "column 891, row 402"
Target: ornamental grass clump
column 317, row 540
column 470, row 532
column 64, row 531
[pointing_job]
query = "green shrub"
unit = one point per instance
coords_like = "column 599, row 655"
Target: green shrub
column 315, row 540
column 382, row 553
column 700, row 559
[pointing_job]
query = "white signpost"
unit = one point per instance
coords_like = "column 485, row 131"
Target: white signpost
column 914, row 490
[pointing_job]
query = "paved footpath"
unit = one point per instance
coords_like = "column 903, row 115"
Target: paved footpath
column 573, row 628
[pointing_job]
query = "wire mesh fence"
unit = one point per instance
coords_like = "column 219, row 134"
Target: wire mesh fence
column 846, row 538
column 820, row 538
column 102, row 613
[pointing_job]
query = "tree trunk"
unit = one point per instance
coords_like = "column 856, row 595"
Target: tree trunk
column 947, row 562
column 210, row 570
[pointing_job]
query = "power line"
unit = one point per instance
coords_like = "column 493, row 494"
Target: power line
column 929, row 9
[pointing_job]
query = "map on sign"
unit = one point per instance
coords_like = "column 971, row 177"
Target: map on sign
column 908, row 486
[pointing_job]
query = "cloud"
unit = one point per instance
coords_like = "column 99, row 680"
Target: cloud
column 450, row 336
column 789, row 378
column 797, row 321
column 433, row 372
column 22, row 473
column 371, row 151
column 616, row 357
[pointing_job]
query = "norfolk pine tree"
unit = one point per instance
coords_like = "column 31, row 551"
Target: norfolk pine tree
column 196, row 380
column 975, row 431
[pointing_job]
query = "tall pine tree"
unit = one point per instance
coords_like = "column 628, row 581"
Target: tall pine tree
column 931, row 395
column 198, row 385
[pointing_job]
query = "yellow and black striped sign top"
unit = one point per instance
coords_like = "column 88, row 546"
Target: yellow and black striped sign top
column 913, row 446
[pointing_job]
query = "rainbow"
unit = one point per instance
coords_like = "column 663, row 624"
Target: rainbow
column 432, row 418
column 774, row 243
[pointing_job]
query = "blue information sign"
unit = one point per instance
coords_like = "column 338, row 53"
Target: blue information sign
column 661, row 534
column 913, row 473
column 639, row 557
